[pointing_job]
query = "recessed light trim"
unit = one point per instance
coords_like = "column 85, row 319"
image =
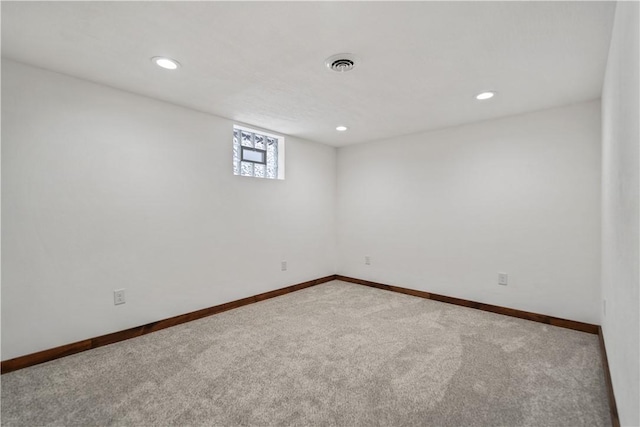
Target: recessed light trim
column 485, row 95
column 166, row 63
column 341, row 128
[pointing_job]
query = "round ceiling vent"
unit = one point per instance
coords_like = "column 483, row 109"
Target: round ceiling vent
column 341, row 63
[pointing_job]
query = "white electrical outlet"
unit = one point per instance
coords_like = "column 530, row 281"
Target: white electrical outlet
column 118, row 297
column 283, row 266
column 503, row 279
column 367, row 260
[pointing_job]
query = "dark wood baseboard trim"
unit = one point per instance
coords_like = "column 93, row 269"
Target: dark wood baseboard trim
column 613, row 408
column 88, row 344
column 542, row 318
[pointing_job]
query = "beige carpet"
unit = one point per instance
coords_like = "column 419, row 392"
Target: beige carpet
column 334, row 354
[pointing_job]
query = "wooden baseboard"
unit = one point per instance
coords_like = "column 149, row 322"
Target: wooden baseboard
column 88, row 344
column 613, row 408
column 542, row 318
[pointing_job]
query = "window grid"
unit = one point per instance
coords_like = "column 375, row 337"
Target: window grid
column 256, row 141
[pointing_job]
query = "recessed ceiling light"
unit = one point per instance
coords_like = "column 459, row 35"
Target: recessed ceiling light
column 485, row 95
column 341, row 128
column 168, row 63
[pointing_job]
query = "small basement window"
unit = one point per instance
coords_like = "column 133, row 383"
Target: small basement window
column 257, row 154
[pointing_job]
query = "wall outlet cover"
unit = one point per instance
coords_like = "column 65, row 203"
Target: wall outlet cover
column 503, row 279
column 118, row 297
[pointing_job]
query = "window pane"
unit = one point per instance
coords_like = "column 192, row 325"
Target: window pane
column 259, row 170
column 246, row 169
column 259, row 141
column 272, row 158
column 253, row 155
column 247, row 139
column 236, row 152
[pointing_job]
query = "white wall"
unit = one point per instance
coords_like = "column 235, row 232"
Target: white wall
column 446, row 211
column 620, row 193
column 102, row 189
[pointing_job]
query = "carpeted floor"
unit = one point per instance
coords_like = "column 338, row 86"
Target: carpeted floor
column 334, row 354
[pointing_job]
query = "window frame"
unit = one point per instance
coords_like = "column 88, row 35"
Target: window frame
column 244, row 148
column 280, row 151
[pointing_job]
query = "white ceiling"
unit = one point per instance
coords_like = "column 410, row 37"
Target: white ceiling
column 262, row 63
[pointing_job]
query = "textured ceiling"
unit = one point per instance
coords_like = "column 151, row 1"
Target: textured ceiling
column 262, row 63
